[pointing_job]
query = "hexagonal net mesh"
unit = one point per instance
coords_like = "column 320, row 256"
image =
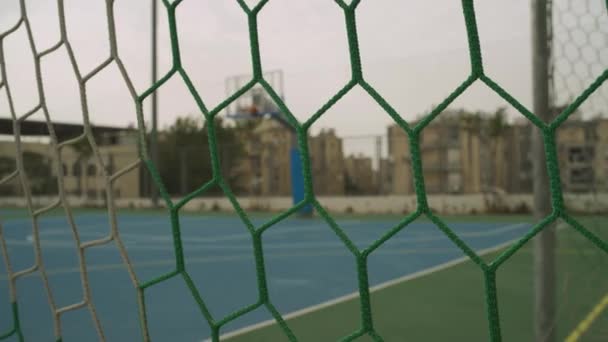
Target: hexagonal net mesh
column 579, row 52
column 575, row 83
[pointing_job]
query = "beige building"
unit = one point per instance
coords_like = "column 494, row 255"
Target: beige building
column 463, row 156
column 601, row 155
column 82, row 174
column 265, row 171
column 451, row 151
column 327, row 163
column 360, row 175
column 582, row 148
column 399, row 161
column 246, row 175
column 518, row 161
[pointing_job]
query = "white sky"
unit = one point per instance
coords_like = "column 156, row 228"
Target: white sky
column 413, row 52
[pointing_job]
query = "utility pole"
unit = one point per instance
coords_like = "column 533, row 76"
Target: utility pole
column 154, row 132
column 544, row 242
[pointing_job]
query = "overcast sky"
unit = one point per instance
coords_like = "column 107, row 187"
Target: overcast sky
column 413, row 52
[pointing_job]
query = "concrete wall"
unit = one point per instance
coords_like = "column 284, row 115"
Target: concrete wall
column 392, row 204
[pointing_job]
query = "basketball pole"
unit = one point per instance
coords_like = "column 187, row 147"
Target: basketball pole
column 545, row 241
column 154, row 132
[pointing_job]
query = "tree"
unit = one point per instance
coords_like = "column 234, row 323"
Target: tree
column 185, row 158
column 38, row 170
column 7, row 166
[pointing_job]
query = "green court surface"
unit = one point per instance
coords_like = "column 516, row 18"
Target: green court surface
column 448, row 304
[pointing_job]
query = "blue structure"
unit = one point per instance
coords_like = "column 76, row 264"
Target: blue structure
column 297, row 181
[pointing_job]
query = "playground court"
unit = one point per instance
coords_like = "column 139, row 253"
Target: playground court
column 420, row 278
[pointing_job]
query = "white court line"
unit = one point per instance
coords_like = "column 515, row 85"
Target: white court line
column 354, row 295
column 138, row 239
column 238, row 257
column 138, row 242
column 193, row 260
column 167, row 237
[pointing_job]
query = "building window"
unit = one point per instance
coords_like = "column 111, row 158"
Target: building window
column 91, row 170
column 580, row 154
column 76, row 169
column 581, row 176
column 64, row 169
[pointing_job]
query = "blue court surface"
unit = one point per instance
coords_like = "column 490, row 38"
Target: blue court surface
column 306, row 265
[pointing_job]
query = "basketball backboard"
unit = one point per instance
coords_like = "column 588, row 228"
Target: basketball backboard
column 256, row 101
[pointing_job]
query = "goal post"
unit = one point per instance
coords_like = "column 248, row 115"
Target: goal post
column 544, row 243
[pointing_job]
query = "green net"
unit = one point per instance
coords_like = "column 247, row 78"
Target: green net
column 477, row 74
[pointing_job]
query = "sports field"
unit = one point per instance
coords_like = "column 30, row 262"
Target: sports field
column 424, row 289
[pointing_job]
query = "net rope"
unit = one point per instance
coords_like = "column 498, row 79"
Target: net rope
column 349, row 9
